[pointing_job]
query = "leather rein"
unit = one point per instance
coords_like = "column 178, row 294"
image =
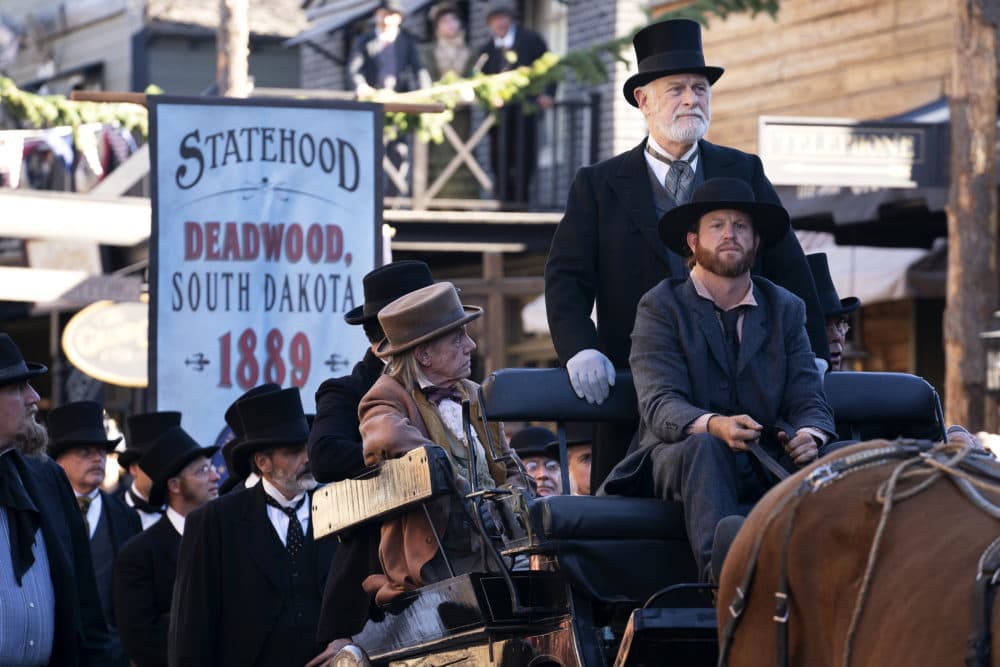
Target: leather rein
column 917, row 460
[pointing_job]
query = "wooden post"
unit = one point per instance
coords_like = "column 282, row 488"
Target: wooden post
column 972, row 213
column 496, row 311
column 232, row 49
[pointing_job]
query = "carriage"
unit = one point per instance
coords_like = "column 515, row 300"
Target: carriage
column 599, row 580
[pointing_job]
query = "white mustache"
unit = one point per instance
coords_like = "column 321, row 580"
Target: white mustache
column 690, row 112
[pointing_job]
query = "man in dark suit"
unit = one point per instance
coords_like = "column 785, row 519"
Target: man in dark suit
column 80, row 445
column 238, row 469
column 513, row 141
column 141, row 431
column 387, row 58
column 606, row 248
column 182, row 474
column 722, row 367
column 335, row 449
column 836, row 310
column 51, row 612
column 249, row 573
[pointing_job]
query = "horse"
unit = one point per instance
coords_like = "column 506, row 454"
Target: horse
column 882, row 553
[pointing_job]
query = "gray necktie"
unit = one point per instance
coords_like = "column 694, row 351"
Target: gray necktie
column 678, row 181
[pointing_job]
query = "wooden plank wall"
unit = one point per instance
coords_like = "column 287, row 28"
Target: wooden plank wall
column 863, row 59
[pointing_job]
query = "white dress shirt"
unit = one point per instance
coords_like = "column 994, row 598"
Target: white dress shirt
column 278, row 518
column 660, row 168
column 507, row 41
column 175, row 519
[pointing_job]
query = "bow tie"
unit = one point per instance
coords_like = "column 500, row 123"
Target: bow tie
column 143, row 505
column 437, row 394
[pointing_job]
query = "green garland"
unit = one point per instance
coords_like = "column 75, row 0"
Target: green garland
column 491, row 92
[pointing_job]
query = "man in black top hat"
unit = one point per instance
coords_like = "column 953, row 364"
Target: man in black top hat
column 249, row 573
column 80, row 445
column 606, row 247
column 50, row 610
column 836, row 310
column 531, row 444
column 184, row 478
column 513, row 141
column 238, row 468
column 335, row 448
column 716, row 358
column 142, row 430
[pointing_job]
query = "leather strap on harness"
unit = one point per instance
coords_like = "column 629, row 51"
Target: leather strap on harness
column 977, row 652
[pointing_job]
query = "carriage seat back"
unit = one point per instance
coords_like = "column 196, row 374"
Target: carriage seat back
column 613, row 549
column 870, row 405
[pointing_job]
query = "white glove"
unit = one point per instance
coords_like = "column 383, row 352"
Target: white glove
column 591, row 374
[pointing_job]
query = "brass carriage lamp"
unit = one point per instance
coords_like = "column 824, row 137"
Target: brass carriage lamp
column 991, row 344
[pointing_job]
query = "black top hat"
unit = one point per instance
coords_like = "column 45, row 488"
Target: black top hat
column 270, row 420
column 668, row 47
column 577, row 433
column 833, row 305
column 173, row 450
column 79, row 424
column 386, row 284
column 769, row 220
column 143, row 430
column 12, row 365
column 532, row 441
column 395, row 6
column 241, row 469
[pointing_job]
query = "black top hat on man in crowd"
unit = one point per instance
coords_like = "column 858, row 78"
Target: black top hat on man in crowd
column 386, row 284
column 78, row 424
column 238, row 470
column 833, row 305
column 270, row 420
column 665, row 48
column 13, row 367
column 167, row 457
column 769, row 220
column 577, row 433
column 141, row 432
column 533, row 441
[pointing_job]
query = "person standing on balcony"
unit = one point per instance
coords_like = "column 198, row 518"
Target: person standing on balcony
column 513, row 141
column 606, row 246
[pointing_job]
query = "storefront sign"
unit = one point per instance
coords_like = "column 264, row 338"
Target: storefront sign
column 824, row 151
column 109, row 341
column 266, row 216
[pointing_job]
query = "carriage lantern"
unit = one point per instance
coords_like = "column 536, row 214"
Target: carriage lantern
column 991, row 344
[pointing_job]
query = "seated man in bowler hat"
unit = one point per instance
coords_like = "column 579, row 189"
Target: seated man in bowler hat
column 184, row 479
column 141, row 431
column 80, row 445
column 417, row 403
column 50, row 609
column 335, row 449
column 717, row 357
column 836, row 310
column 606, row 249
column 531, row 444
column 249, row 573
column 579, row 442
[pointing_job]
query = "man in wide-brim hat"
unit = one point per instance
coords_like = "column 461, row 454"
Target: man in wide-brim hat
column 717, row 357
column 79, row 443
column 250, row 574
column 837, row 310
column 417, row 403
column 50, row 610
column 606, row 248
column 183, row 479
column 142, row 430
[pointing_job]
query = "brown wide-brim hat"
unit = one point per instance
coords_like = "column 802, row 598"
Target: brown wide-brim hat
column 421, row 316
column 769, row 220
column 665, row 48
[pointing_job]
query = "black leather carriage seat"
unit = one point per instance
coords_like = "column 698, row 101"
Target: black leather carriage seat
column 869, row 405
column 615, row 549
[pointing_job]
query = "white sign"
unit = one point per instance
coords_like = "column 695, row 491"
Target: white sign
column 266, row 216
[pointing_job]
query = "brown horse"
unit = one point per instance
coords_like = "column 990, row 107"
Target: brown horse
column 879, row 561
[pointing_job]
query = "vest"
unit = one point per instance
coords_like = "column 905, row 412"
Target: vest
column 663, row 202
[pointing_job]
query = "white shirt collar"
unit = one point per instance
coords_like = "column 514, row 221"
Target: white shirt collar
column 135, row 489
column 659, row 167
column 272, row 491
column 176, row 520
column 507, row 41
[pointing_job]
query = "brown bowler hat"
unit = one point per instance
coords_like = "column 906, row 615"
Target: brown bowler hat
column 420, row 316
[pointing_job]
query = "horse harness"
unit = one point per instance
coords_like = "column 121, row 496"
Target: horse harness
column 963, row 465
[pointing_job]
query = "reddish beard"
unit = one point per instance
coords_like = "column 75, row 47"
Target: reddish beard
column 727, row 267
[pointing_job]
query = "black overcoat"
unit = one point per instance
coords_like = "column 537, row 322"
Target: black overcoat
column 607, row 247
column 81, row 635
column 233, row 581
column 410, row 71
column 144, row 583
